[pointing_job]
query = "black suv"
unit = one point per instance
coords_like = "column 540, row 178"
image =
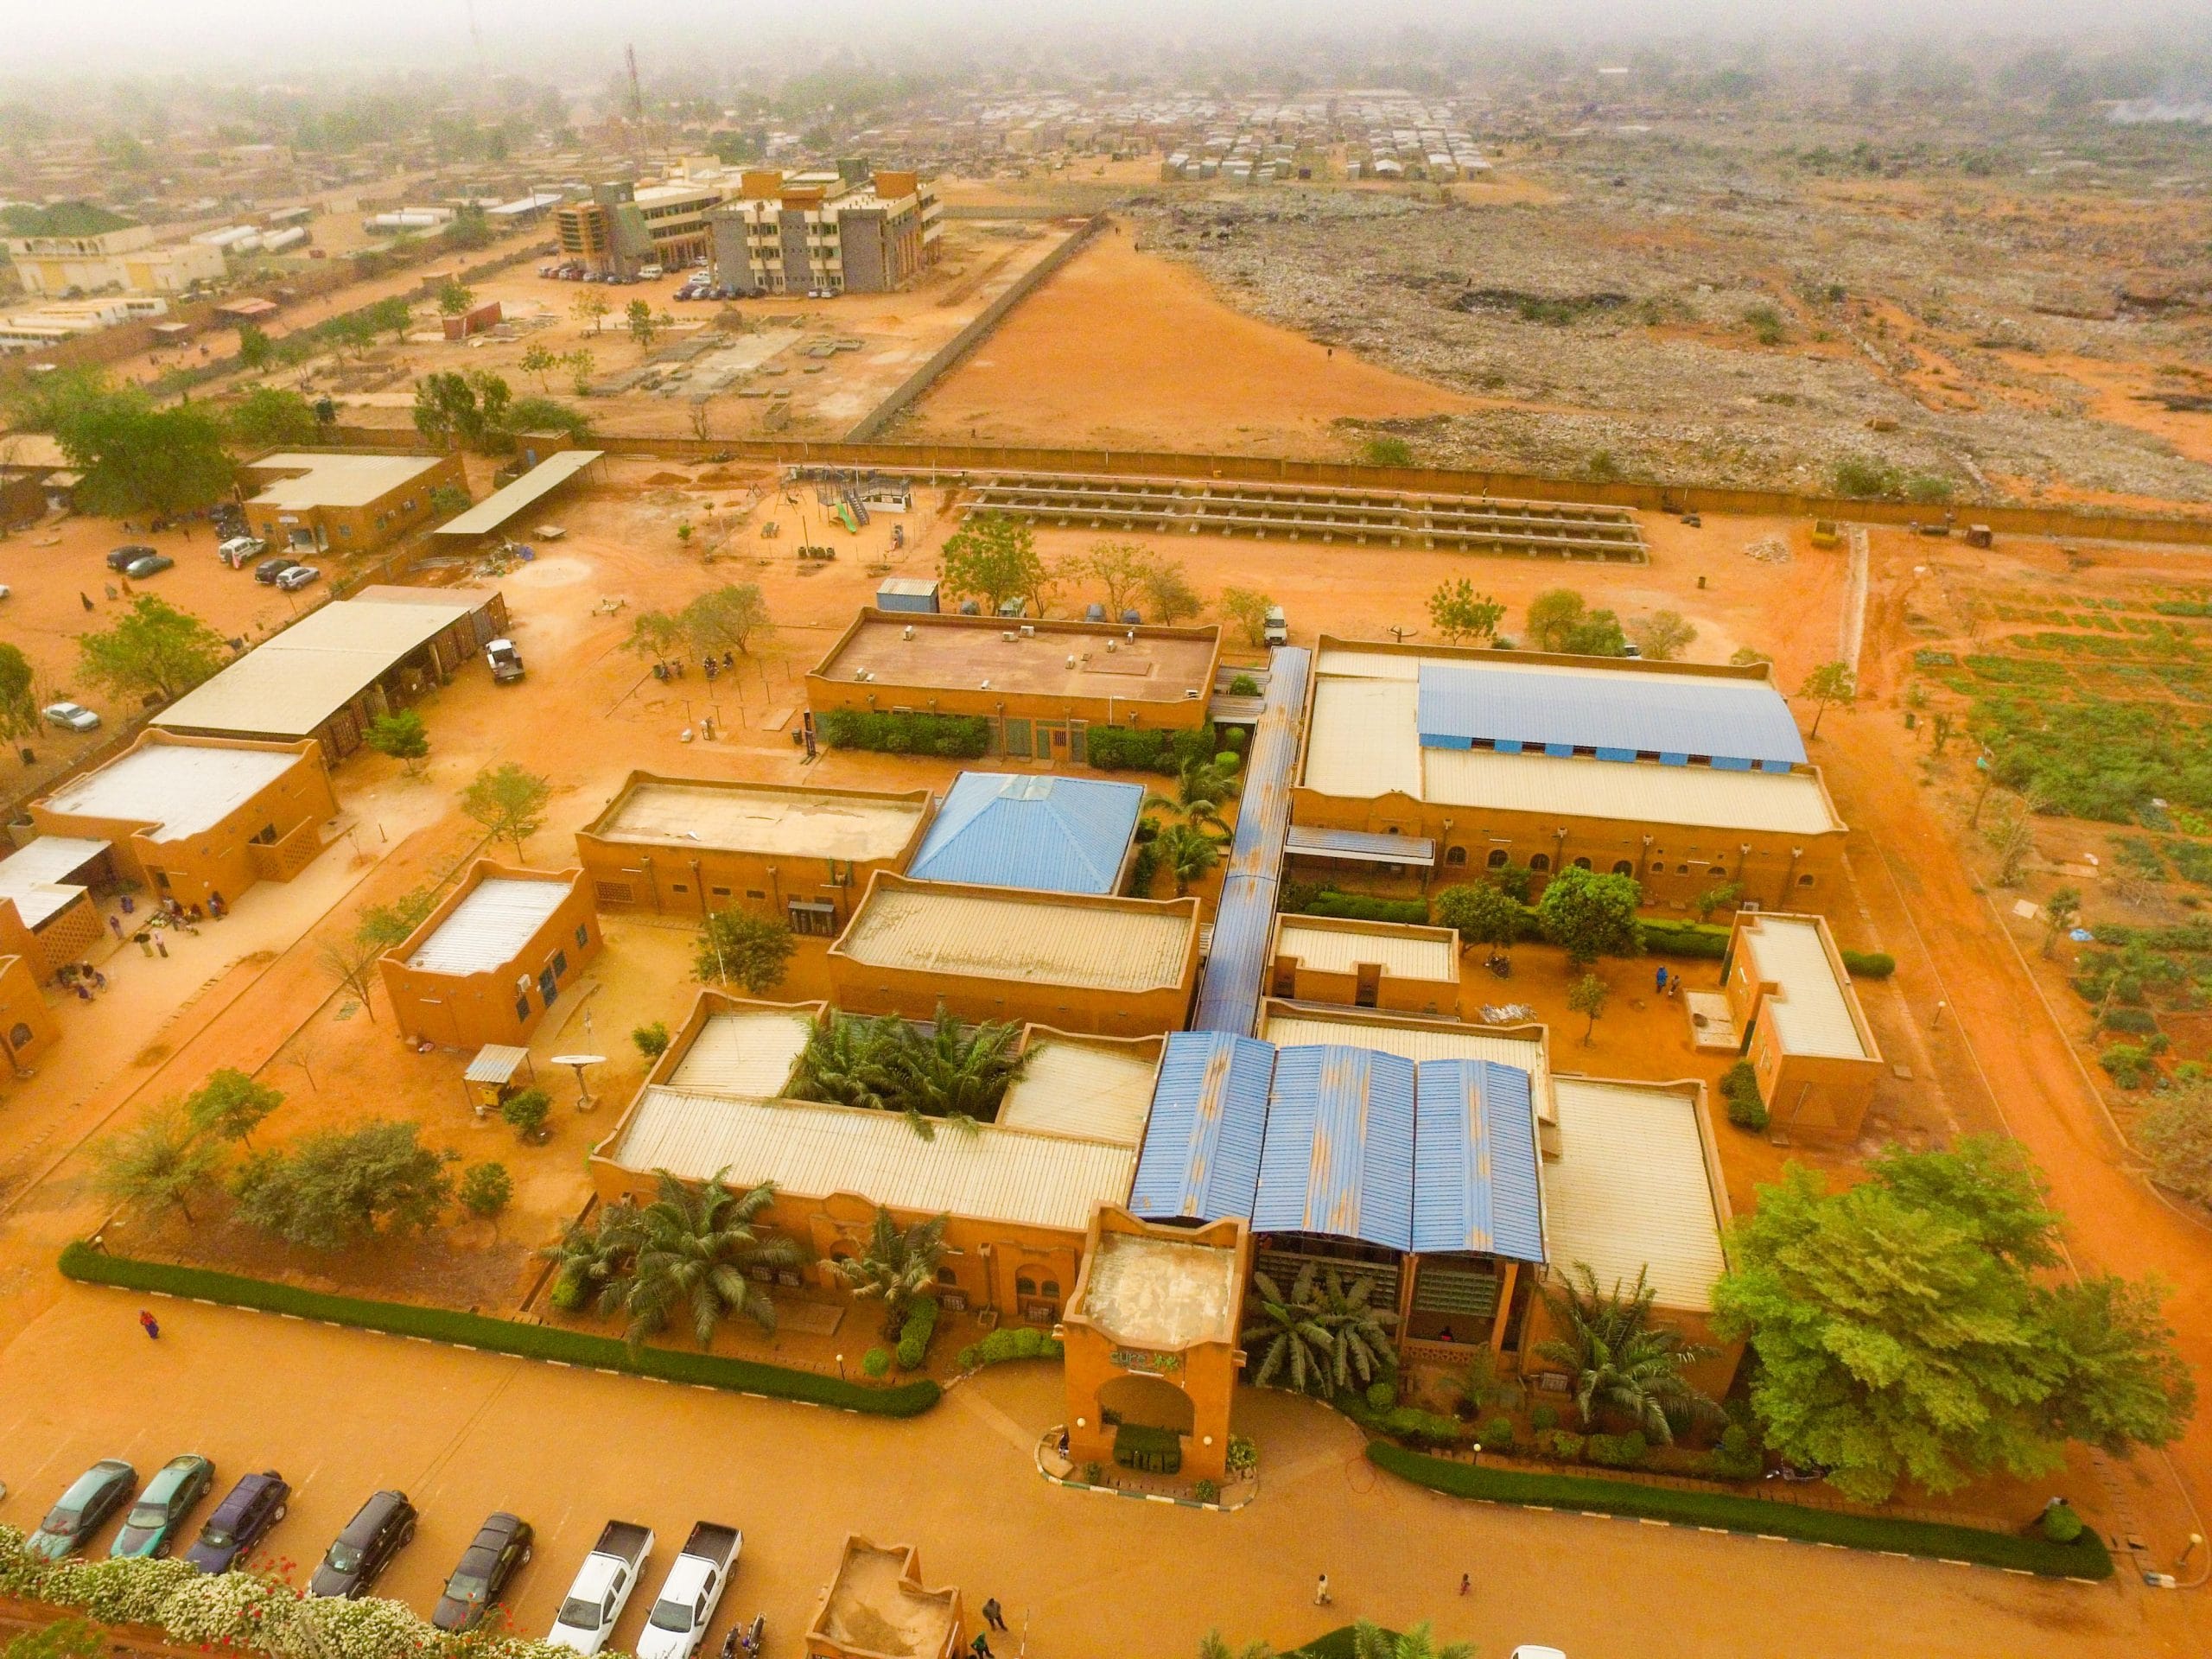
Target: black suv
column 241, row 1521
column 497, row 1552
column 269, row 569
column 378, row 1532
column 122, row 558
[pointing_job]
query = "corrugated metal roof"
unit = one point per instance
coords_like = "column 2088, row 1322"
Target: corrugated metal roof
column 327, row 479
column 1236, row 960
column 533, row 486
column 1338, row 1154
column 1700, row 797
column 1201, row 1154
column 36, row 876
column 1812, row 1012
column 1045, row 834
column 1398, row 951
column 1359, row 846
column 1612, row 708
column 1036, row 938
column 1476, row 1181
column 749, row 1053
column 179, row 788
column 496, row 1063
column 738, row 817
column 1629, row 1190
column 1364, row 742
column 812, row 1150
column 493, row 920
column 1091, row 1089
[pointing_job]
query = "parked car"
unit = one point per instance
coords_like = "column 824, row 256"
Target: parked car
column 602, row 1587
column 356, row 1558
column 71, row 717
column 242, row 1520
column 174, row 1491
column 502, row 1544
column 690, row 1592
column 122, row 558
column 83, row 1509
column 239, row 549
column 297, row 577
column 152, row 565
column 269, row 569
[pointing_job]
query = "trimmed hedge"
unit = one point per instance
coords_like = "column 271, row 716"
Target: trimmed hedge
column 957, row 737
column 2086, row 1558
column 1141, row 748
column 1869, row 964
column 1672, row 938
column 80, row 1262
column 1015, row 1342
column 914, row 1334
column 1361, row 907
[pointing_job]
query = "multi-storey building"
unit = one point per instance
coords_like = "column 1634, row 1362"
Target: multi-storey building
column 840, row 230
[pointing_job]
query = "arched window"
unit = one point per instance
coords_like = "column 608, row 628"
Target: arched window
column 1718, row 871
column 1455, row 856
column 20, row 1038
column 1658, row 866
column 1622, row 867
column 946, row 1276
column 1581, row 863
column 1497, row 859
column 1682, row 870
column 1804, row 880
column 1539, row 863
column 1050, row 1289
column 1024, row 1284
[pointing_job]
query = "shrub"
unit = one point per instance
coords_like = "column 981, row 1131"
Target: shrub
column 1418, row 1427
column 526, row 1111
column 1564, row 1446
column 1361, row 907
column 1244, row 1457
column 915, row 1331
column 2059, row 1524
column 1095, row 1472
column 1382, row 1394
column 1698, row 939
column 1616, row 1450
column 652, row 1040
column 1869, row 964
column 1735, row 1457
column 1029, row 1341
column 875, row 1361
column 1233, row 737
column 2141, row 1022
column 1497, row 1434
column 1243, row 686
column 955, row 737
column 911, row 1354
column 1740, row 1086
column 2128, row 1065
column 1205, row 1491
column 1022, row 1342
column 1135, row 748
column 1544, row 1419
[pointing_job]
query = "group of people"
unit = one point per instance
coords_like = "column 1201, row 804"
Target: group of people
column 1665, row 983
column 83, row 978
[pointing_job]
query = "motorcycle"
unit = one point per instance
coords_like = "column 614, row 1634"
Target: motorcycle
column 1500, row 966
column 756, row 1637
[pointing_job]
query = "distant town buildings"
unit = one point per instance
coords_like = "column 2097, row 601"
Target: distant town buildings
column 73, row 248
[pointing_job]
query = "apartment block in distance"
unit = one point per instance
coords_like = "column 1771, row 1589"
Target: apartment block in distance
column 73, row 248
column 845, row 229
column 623, row 226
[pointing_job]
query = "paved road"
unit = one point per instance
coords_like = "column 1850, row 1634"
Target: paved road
column 341, row 1413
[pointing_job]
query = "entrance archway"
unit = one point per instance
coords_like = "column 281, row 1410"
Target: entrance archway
column 1147, row 1400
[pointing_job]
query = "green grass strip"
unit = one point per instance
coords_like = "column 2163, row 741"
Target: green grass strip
column 2086, row 1558
column 80, row 1262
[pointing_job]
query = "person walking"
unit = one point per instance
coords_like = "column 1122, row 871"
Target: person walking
column 981, row 1647
column 116, row 922
column 994, row 1615
column 84, row 599
column 1321, row 1596
column 1659, row 982
column 1466, row 1584
column 149, row 1325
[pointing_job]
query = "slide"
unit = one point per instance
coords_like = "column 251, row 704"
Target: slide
column 845, row 514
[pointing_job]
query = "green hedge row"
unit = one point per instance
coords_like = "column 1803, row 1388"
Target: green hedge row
column 2085, row 1558
column 1869, row 964
column 80, row 1262
column 1139, row 749
column 957, row 737
column 1363, row 907
column 1672, row 938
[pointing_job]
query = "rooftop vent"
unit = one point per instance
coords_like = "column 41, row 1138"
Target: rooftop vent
column 1028, row 631
column 1009, row 636
column 1190, row 694
column 1113, row 645
column 1071, row 659
column 985, row 686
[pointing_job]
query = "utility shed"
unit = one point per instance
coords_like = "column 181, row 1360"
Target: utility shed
column 485, row 965
column 1799, row 1025
column 1043, row 833
column 1366, row 965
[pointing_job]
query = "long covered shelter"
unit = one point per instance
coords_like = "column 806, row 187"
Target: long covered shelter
column 497, row 509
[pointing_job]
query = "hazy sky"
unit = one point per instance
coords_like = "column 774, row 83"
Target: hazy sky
column 78, row 36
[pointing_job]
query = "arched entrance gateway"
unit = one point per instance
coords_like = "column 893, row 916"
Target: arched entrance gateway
column 1150, row 1338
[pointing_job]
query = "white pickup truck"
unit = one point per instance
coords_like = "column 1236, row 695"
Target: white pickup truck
column 691, row 1593
column 602, row 1587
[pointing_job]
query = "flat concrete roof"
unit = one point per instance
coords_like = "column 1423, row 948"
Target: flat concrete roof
column 1162, row 1293
column 1330, row 947
column 32, row 877
column 1810, row 1008
column 758, row 818
column 1024, row 937
column 177, row 788
column 336, row 480
column 961, row 653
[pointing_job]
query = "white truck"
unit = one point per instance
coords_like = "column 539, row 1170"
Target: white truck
column 691, row 1593
column 506, row 661
column 602, row 1587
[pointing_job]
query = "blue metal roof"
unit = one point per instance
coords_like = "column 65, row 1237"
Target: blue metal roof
column 1462, row 704
column 1045, row 834
column 1475, row 1181
column 1201, row 1156
column 1338, row 1156
column 1229, row 997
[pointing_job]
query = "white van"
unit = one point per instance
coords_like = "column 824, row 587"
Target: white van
column 241, row 550
column 651, row 273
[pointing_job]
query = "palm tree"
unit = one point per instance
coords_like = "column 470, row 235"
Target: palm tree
column 695, row 1246
column 586, row 1256
column 1620, row 1360
column 1201, row 789
column 1371, row 1640
column 845, row 1060
column 1322, row 1334
column 1212, row 1646
column 897, row 1264
column 1188, row 853
column 953, row 1072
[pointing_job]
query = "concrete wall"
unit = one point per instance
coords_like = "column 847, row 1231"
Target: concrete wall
column 469, row 1010
column 26, row 1023
column 1288, row 977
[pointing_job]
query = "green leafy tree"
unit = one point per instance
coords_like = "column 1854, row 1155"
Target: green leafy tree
column 455, row 297
column 1322, row 1335
column 19, row 716
column 1911, row 1327
column 1719, row 896
column 471, row 410
column 1482, row 913
column 509, row 802
column 230, row 1106
column 162, row 1164
column 644, row 324
column 1168, row 594
column 1201, row 789
column 272, row 418
column 1246, row 610
column 695, row 1249
column 579, row 363
column 1589, row 915
column 538, row 361
column 1587, row 995
column 154, row 649
column 447, row 499
column 485, row 1189
column 896, row 1265
column 256, row 350
column 351, row 959
column 1188, row 853
column 1746, row 655
column 590, row 306
column 1663, row 636
column 1462, row 615
column 137, row 459
column 655, row 634
column 46, row 402
column 525, row 1111
column 652, row 1041
column 2176, row 1132
column 2060, row 911
column 727, row 619
column 1829, row 683
column 1560, row 620
column 1120, row 568
column 1619, row 1358
column 337, row 1187
column 537, row 415
column 737, row 947
column 401, row 735
column 993, row 558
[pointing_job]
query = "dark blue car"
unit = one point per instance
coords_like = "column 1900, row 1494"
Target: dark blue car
column 248, row 1510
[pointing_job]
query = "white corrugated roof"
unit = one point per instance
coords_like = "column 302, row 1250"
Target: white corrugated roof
column 812, row 1150
column 33, row 876
column 1630, row 1189
column 179, row 788
column 750, row 1053
column 329, row 480
column 1364, row 742
column 1636, row 791
column 1030, row 937
column 1812, row 1012
column 492, row 922
column 538, row 482
column 1340, row 950
column 733, row 818
column 1083, row 1089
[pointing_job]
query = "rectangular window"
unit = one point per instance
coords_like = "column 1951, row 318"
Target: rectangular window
column 560, row 964
column 754, row 893
column 1018, row 741
column 521, row 1010
column 583, row 936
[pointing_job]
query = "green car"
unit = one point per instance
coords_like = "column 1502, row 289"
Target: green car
column 151, row 1527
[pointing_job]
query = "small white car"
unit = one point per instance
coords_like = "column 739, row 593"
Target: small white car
column 71, row 717
column 298, row 577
